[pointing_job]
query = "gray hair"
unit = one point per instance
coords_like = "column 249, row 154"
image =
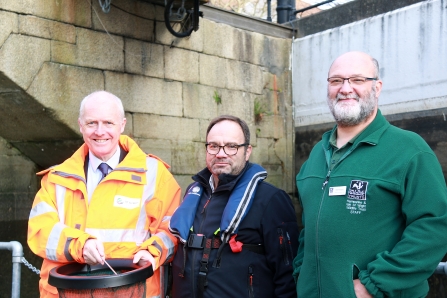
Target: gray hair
column 376, row 67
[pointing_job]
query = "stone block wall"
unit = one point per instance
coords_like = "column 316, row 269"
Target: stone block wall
column 18, row 184
column 54, row 53
column 58, row 52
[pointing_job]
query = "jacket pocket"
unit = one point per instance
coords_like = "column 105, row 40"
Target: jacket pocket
column 355, row 271
column 283, row 244
column 355, row 275
column 251, row 293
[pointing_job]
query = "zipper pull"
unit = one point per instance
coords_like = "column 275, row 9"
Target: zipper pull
column 327, row 180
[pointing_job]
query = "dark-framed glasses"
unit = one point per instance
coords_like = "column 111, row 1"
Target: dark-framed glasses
column 357, row 81
column 229, row 149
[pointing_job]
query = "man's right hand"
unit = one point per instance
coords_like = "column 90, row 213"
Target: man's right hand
column 93, row 252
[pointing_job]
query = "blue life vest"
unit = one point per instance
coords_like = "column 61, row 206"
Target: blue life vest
column 236, row 209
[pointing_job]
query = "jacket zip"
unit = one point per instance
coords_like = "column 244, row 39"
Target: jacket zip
column 317, row 261
column 323, row 188
column 326, row 180
column 251, row 293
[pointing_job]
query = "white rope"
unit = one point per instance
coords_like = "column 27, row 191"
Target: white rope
column 113, row 39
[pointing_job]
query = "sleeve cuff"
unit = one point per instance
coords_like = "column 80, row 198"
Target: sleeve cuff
column 77, row 246
column 365, row 279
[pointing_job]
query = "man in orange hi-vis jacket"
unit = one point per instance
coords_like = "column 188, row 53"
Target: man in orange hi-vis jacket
column 108, row 200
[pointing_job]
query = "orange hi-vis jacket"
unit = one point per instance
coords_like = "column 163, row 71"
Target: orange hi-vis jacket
column 129, row 211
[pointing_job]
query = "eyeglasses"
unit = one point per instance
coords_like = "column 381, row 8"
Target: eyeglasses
column 229, row 149
column 357, row 81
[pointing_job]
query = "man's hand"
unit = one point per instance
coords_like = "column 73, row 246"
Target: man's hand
column 93, row 252
column 143, row 257
column 360, row 290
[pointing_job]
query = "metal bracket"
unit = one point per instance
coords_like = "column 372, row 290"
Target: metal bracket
column 105, row 6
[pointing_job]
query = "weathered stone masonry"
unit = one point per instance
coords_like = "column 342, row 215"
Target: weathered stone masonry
column 54, row 53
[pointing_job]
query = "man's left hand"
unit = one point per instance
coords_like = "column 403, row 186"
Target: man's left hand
column 360, row 290
column 143, row 257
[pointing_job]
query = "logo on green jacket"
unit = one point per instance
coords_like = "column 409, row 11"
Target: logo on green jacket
column 357, row 190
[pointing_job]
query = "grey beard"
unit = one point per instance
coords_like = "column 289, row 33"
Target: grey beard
column 346, row 116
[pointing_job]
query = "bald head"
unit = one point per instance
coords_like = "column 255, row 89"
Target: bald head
column 359, row 63
column 101, row 97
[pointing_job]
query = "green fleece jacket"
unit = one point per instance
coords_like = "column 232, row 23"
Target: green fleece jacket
column 380, row 216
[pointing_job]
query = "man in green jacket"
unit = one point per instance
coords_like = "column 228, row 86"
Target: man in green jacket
column 374, row 198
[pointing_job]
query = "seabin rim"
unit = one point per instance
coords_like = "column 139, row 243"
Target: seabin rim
column 62, row 276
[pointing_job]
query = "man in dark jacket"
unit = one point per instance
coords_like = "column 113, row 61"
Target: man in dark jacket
column 238, row 233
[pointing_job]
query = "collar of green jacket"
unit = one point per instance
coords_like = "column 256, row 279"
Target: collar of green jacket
column 370, row 135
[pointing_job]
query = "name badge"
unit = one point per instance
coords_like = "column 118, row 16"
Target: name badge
column 337, row 191
column 125, row 202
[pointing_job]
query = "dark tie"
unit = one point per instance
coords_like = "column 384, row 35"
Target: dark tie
column 104, row 168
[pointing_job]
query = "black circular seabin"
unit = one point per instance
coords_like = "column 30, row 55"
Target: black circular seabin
column 83, row 276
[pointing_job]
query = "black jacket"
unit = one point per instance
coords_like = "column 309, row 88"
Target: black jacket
column 271, row 221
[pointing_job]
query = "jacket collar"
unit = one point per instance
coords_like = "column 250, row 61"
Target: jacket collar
column 238, row 205
column 226, row 181
column 370, row 135
column 73, row 167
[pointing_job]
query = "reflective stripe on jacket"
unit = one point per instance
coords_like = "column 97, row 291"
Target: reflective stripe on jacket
column 129, row 210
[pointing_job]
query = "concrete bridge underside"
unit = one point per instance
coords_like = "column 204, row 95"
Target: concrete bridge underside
column 32, row 128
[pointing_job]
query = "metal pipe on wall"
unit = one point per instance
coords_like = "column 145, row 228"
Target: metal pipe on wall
column 17, row 254
column 283, row 9
column 269, row 10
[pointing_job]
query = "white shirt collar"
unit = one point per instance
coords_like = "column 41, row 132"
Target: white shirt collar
column 94, row 162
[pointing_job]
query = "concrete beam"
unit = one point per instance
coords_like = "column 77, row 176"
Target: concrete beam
column 345, row 14
column 245, row 22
